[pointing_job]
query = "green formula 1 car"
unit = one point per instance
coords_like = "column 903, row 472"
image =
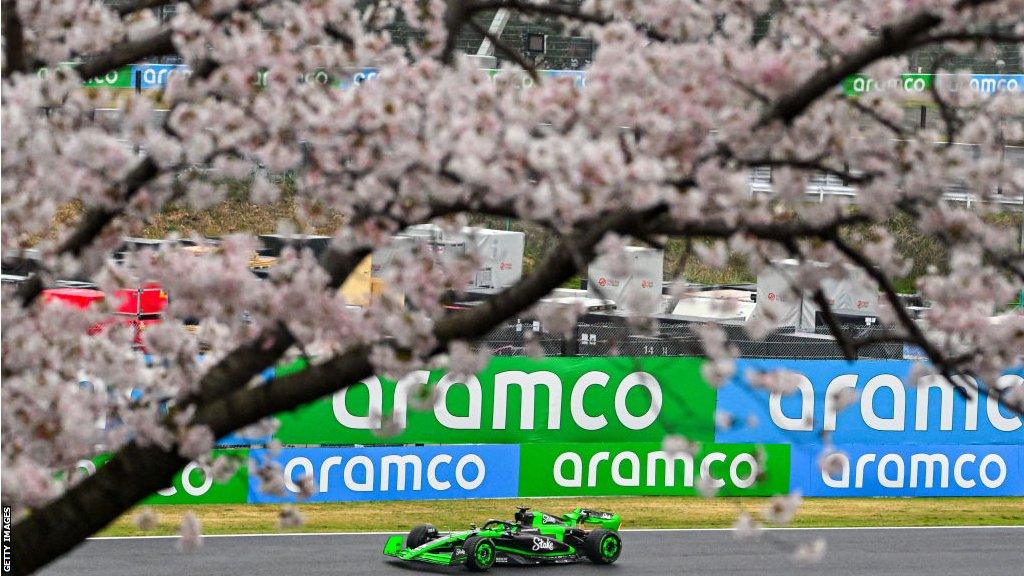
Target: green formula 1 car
column 533, row 538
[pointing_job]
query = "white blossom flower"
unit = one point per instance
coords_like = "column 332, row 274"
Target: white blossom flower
column 190, row 533
column 779, row 381
column 385, row 425
column 810, row 552
column 195, row 441
column 222, row 468
column 147, row 519
column 745, row 527
column 464, row 361
column 307, row 486
column 844, row 398
column 271, row 477
column 707, row 486
column 781, row 509
column 677, row 445
column 717, row 372
column 833, row 462
column 289, row 517
column 724, row 420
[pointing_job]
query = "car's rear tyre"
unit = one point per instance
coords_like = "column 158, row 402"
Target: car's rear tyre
column 602, row 546
column 479, row 553
column 420, row 535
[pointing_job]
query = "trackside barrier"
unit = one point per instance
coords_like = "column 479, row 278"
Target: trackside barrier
column 594, row 426
column 192, row 485
column 395, row 473
column 156, row 76
column 910, row 470
column 518, row 400
column 888, row 408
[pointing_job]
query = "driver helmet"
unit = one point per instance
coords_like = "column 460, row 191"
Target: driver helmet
column 521, row 515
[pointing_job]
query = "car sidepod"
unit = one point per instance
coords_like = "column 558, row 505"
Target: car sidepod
column 530, row 547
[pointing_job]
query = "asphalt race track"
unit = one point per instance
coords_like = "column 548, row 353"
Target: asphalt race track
column 867, row 551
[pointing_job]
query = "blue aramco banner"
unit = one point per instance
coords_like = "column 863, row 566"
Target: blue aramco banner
column 396, row 472
column 912, row 470
column 887, row 409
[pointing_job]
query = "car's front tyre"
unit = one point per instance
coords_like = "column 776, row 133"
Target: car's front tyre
column 479, row 553
column 602, row 546
column 420, row 535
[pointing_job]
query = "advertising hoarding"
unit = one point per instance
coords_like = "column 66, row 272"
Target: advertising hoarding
column 395, row 473
column 888, row 410
column 518, row 400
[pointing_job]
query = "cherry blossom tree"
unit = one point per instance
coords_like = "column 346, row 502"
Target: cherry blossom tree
column 682, row 100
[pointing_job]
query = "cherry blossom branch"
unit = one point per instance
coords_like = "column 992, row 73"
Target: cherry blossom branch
column 135, row 471
column 816, row 164
column 14, row 40
column 504, row 48
column 949, row 117
column 92, row 224
column 159, row 43
column 854, row 103
column 850, row 346
column 948, row 367
column 779, row 232
column 129, row 7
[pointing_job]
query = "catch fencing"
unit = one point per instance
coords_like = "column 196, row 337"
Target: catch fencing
column 619, row 338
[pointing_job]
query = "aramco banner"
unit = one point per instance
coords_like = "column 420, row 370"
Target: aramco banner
column 642, row 468
column 394, row 473
column 887, row 408
column 192, row 485
column 909, row 470
column 156, row 76
column 517, row 400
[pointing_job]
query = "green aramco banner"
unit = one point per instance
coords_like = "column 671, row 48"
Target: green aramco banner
column 643, row 468
column 517, row 400
column 192, row 485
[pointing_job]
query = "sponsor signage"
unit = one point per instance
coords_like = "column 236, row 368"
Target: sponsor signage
column 643, row 468
column 992, row 83
column 859, row 83
column 919, row 83
column 156, row 75
column 916, row 470
column 517, row 400
column 888, row 409
column 192, row 485
column 577, row 77
column 120, row 78
column 395, row 473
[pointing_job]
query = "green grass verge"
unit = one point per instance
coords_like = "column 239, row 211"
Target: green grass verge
column 637, row 512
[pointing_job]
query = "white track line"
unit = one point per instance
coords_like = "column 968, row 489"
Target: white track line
column 296, row 534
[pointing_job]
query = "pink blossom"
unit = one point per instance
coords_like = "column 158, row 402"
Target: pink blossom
column 810, row 552
column 781, row 509
column 190, row 532
column 195, row 441
column 780, row 381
